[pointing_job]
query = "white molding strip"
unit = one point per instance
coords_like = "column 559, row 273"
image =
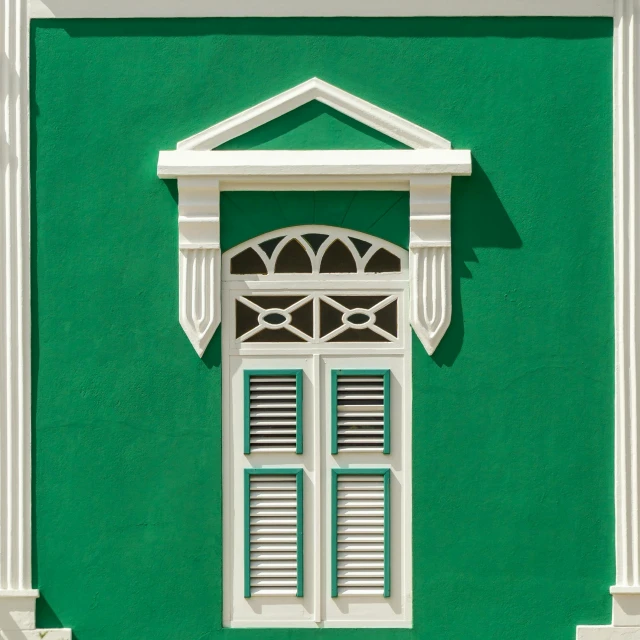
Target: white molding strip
column 308, row 8
column 360, row 110
column 394, row 165
column 626, row 592
column 15, row 322
column 17, row 598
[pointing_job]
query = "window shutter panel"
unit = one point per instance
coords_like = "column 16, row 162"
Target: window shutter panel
column 273, row 411
column 273, row 532
column 360, row 528
column 360, row 411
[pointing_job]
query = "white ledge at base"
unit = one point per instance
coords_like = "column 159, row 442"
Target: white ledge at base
column 18, row 617
column 19, row 593
column 608, row 633
column 392, row 164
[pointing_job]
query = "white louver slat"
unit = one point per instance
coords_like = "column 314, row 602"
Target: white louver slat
column 273, row 405
column 360, row 412
column 273, row 545
column 361, row 534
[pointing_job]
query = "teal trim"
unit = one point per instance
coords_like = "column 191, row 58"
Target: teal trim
column 247, row 413
column 386, row 378
column 299, row 410
column 334, row 534
column 247, row 539
column 387, row 532
column 300, row 536
column 334, row 411
column 299, row 474
column 247, row 403
column 386, row 474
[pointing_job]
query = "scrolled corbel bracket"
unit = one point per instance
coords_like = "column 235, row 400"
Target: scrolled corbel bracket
column 430, row 258
column 199, row 258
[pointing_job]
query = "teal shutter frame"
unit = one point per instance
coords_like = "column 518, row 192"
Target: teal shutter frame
column 386, row 476
column 386, row 378
column 248, row 373
column 299, row 476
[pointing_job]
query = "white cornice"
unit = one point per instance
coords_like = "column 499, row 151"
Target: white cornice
column 392, row 164
column 307, row 8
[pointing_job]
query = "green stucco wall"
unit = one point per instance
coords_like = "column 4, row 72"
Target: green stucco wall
column 513, row 416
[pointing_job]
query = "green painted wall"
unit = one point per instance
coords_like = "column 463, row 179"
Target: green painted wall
column 513, row 417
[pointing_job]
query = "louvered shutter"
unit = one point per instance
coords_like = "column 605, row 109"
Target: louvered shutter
column 273, row 411
column 273, row 532
column 360, row 528
column 360, row 410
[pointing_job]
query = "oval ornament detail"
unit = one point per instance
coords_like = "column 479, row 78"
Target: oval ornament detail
column 274, row 318
column 358, row 318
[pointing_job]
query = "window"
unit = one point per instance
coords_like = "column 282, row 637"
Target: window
column 316, row 437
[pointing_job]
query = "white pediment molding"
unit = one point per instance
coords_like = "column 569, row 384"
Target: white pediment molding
column 425, row 170
column 360, row 110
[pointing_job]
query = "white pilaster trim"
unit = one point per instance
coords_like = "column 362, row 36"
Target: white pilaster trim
column 626, row 592
column 15, row 327
column 17, row 598
column 313, row 8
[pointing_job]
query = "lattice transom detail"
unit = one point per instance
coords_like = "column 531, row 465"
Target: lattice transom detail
column 316, row 317
column 315, row 250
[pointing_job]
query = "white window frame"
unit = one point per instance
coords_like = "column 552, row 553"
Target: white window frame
column 317, row 608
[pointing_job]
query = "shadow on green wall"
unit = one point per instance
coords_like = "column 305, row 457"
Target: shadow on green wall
column 478, row 220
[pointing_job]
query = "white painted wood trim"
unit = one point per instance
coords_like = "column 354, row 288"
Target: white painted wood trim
column 15, row 322
column 356, row 108
column 392, row 164
column 307, row 8
column 626, row 591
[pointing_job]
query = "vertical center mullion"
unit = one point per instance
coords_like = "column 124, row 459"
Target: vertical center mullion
column 318, row 474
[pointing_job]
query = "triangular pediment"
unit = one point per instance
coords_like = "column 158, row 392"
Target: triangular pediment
column 379, row 120
column 312, row 126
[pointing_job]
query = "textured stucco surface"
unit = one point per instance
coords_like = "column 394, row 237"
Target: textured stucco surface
column 513, row 417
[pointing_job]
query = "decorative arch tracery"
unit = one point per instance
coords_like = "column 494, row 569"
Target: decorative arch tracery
column 315, row 250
